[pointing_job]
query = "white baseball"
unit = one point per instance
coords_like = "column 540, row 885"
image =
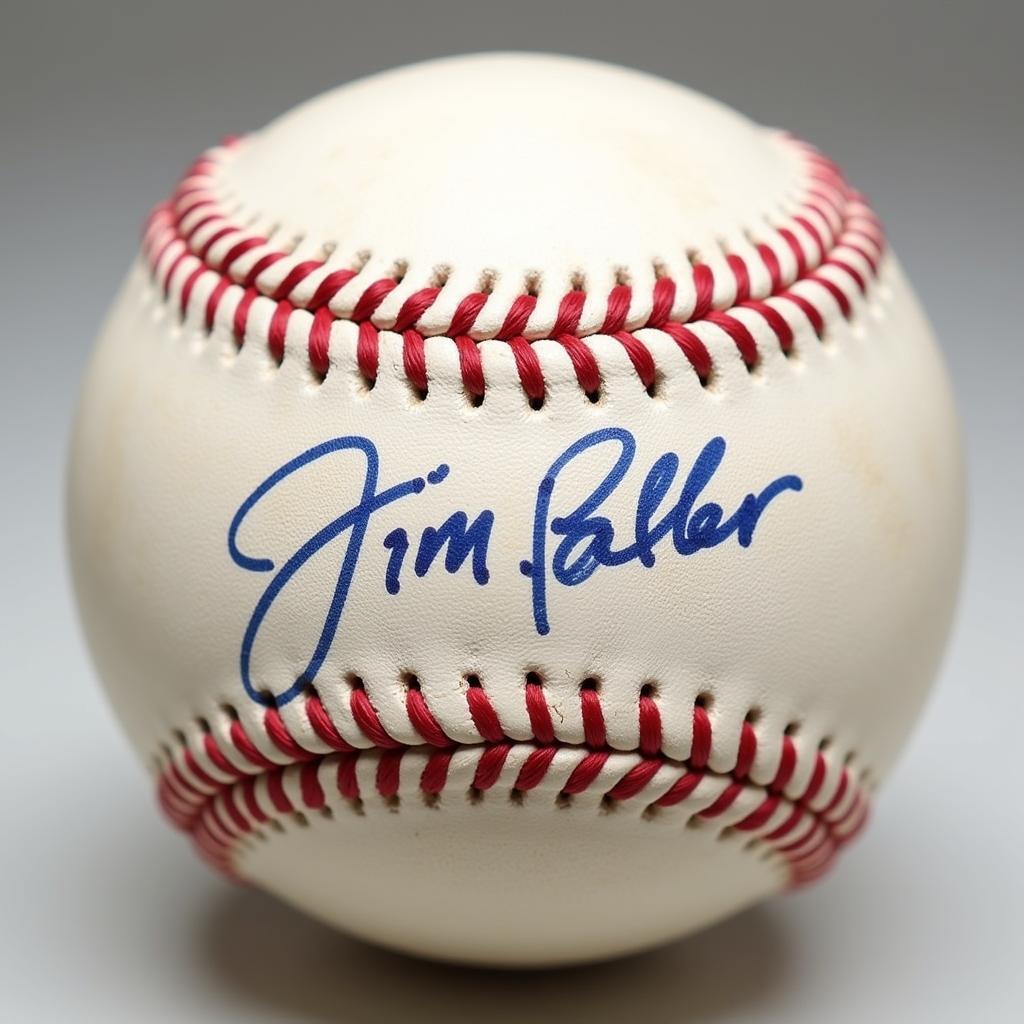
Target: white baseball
column 516, row 509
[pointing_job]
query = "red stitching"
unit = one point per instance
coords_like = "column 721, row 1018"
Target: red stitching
column 209, row 786
column 832, row 228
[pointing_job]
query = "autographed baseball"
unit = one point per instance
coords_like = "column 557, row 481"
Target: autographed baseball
column 516, row 509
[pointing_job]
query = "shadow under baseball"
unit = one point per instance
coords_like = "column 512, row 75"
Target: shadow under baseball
column 267, row 955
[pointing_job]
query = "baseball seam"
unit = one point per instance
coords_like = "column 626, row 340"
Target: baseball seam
column 810, row 267
column 226, row 781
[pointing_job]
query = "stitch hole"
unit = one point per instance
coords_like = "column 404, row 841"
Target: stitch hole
column 327, row 250
column 591, row 683
column 705, row 701
column 824, row 744
column 516, row 797
column 354, row 681
column 474, row 795
column 563, row 800
column 399, row 270
column 204, row 726
column 393, row 802
column 608, row 804
column 849, row 758
column 649, row 690
column 430, row 800
column 622, row 276
column 594, row 397
column 536, row 404
column 440, row 275
column 472, row 680
column 791, row 729
column 486, row 283
column 534, row 678
column 651, row 811
column 180, row 737
column 300, row 819
column 753, row 716
column 229, row 711
column 531, row 284
column 410, row 681
column 276, row 826
column 725, row 833
column 326, row 813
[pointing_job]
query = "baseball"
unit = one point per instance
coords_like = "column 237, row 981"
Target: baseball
column 516, row 509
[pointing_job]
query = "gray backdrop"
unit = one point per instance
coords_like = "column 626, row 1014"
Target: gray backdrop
column 105, row 914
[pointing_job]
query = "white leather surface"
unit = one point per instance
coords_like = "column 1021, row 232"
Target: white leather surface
column 833, row 618
column 508, row 169
column 524, row 886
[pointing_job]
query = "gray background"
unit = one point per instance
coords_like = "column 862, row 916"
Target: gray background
column 105, row 914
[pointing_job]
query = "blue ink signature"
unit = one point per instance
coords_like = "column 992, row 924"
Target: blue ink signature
column 588, row 539
column 461, row 538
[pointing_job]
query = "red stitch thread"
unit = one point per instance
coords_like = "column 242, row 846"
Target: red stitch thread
column 724, row 801
column 348, row 782
column 832, row 228
column 422, row 719
column 535, row 768
column 593, row 716
column 217, row 813
column 490, row 765
column 585, row 773
column 248, row 749
column 583, row 362
column 366, row 717
column 322, row 724
column 540, row 714
column 485, row 718
column 700, row 749
column 414, row 360
column 528, row 366
column 282, row 738
column 309, row 783
column 650, row 725
column 435, row 775
column 634, row 781
column 388, row 773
